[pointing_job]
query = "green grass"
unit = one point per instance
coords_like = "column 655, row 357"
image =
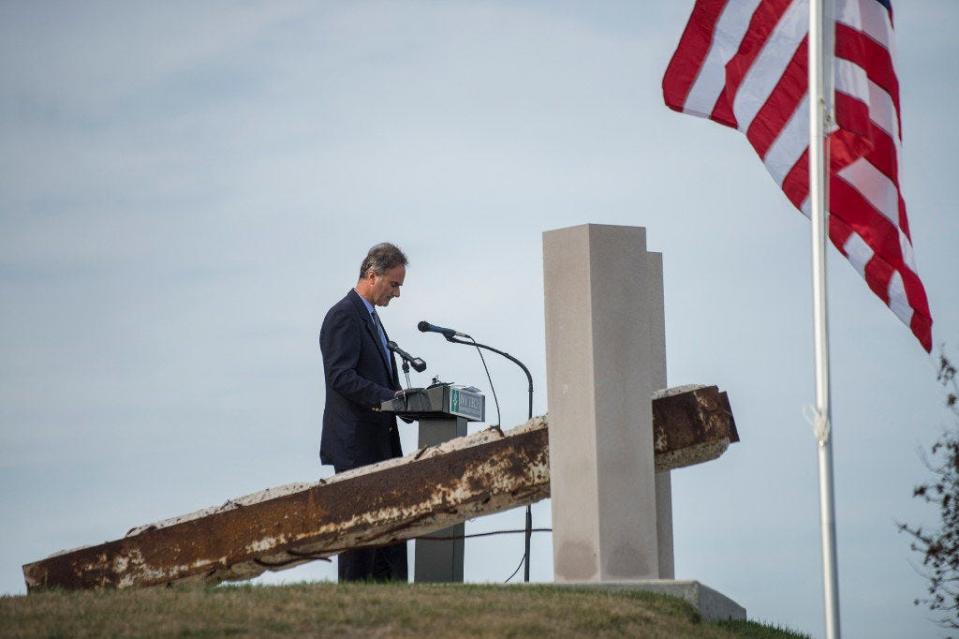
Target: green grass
column 364, row 610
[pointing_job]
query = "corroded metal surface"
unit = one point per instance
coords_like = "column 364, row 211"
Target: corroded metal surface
column 691, row 425
column 431, row 489
column 427, row 491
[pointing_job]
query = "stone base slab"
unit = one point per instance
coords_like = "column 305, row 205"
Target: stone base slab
column 711, row 604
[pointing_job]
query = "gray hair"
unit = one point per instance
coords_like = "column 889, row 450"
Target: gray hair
column 382, row 258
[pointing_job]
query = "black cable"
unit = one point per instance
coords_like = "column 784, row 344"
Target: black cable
column 298, row 556
column 529, row 378
column 521, row 562
column 482, row 534
column 527, row 540
column 499, row 419
column 529, row 516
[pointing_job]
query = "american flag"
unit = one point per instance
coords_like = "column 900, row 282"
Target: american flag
column 744, row 64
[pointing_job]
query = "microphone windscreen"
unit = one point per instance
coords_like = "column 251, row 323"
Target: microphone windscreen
column 423, row 326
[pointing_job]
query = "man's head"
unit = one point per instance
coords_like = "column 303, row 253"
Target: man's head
column 381, row 274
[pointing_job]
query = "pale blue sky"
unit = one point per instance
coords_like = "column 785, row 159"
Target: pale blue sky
column 186, row 187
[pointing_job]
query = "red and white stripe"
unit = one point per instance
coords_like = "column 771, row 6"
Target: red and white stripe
column 744, row 64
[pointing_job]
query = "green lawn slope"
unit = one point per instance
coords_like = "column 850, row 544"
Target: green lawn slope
column 363, row 610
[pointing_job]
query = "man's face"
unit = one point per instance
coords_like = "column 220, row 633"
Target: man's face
column 385, row 287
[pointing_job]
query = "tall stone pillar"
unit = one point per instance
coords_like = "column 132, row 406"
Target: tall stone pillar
column 605, row 356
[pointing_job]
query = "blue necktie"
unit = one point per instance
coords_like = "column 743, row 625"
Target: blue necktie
column 380, row 332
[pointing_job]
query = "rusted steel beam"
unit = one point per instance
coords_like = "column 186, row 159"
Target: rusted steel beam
column 379, row 504
column 691, row 425
column 434, row 488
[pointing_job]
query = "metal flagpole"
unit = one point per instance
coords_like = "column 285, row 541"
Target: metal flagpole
column 818, row 112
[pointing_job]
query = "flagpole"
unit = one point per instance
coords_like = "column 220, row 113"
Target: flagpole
column 818, row 112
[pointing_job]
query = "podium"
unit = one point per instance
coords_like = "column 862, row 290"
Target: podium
column 443, row 409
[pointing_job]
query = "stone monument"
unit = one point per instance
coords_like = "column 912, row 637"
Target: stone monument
column 605, row 360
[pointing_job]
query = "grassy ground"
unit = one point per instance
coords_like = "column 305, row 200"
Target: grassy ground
column 363, row 610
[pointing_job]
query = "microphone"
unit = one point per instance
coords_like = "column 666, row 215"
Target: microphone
column 418, row 364
column 426, row 327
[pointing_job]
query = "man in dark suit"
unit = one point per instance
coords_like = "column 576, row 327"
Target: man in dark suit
column 360, row 373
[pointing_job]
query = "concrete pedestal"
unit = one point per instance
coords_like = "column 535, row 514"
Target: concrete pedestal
column 605, row 356
column 440, row 560
column 711, row 604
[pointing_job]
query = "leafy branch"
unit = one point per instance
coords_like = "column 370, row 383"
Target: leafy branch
column 940, row 547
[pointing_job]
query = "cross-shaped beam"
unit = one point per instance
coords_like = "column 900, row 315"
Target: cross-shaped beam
column 434, row 488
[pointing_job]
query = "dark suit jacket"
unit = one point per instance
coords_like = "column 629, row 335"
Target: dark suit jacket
column 359, row 376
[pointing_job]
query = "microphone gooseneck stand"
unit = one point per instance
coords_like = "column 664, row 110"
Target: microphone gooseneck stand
column 529, row 378
column 418, row 364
